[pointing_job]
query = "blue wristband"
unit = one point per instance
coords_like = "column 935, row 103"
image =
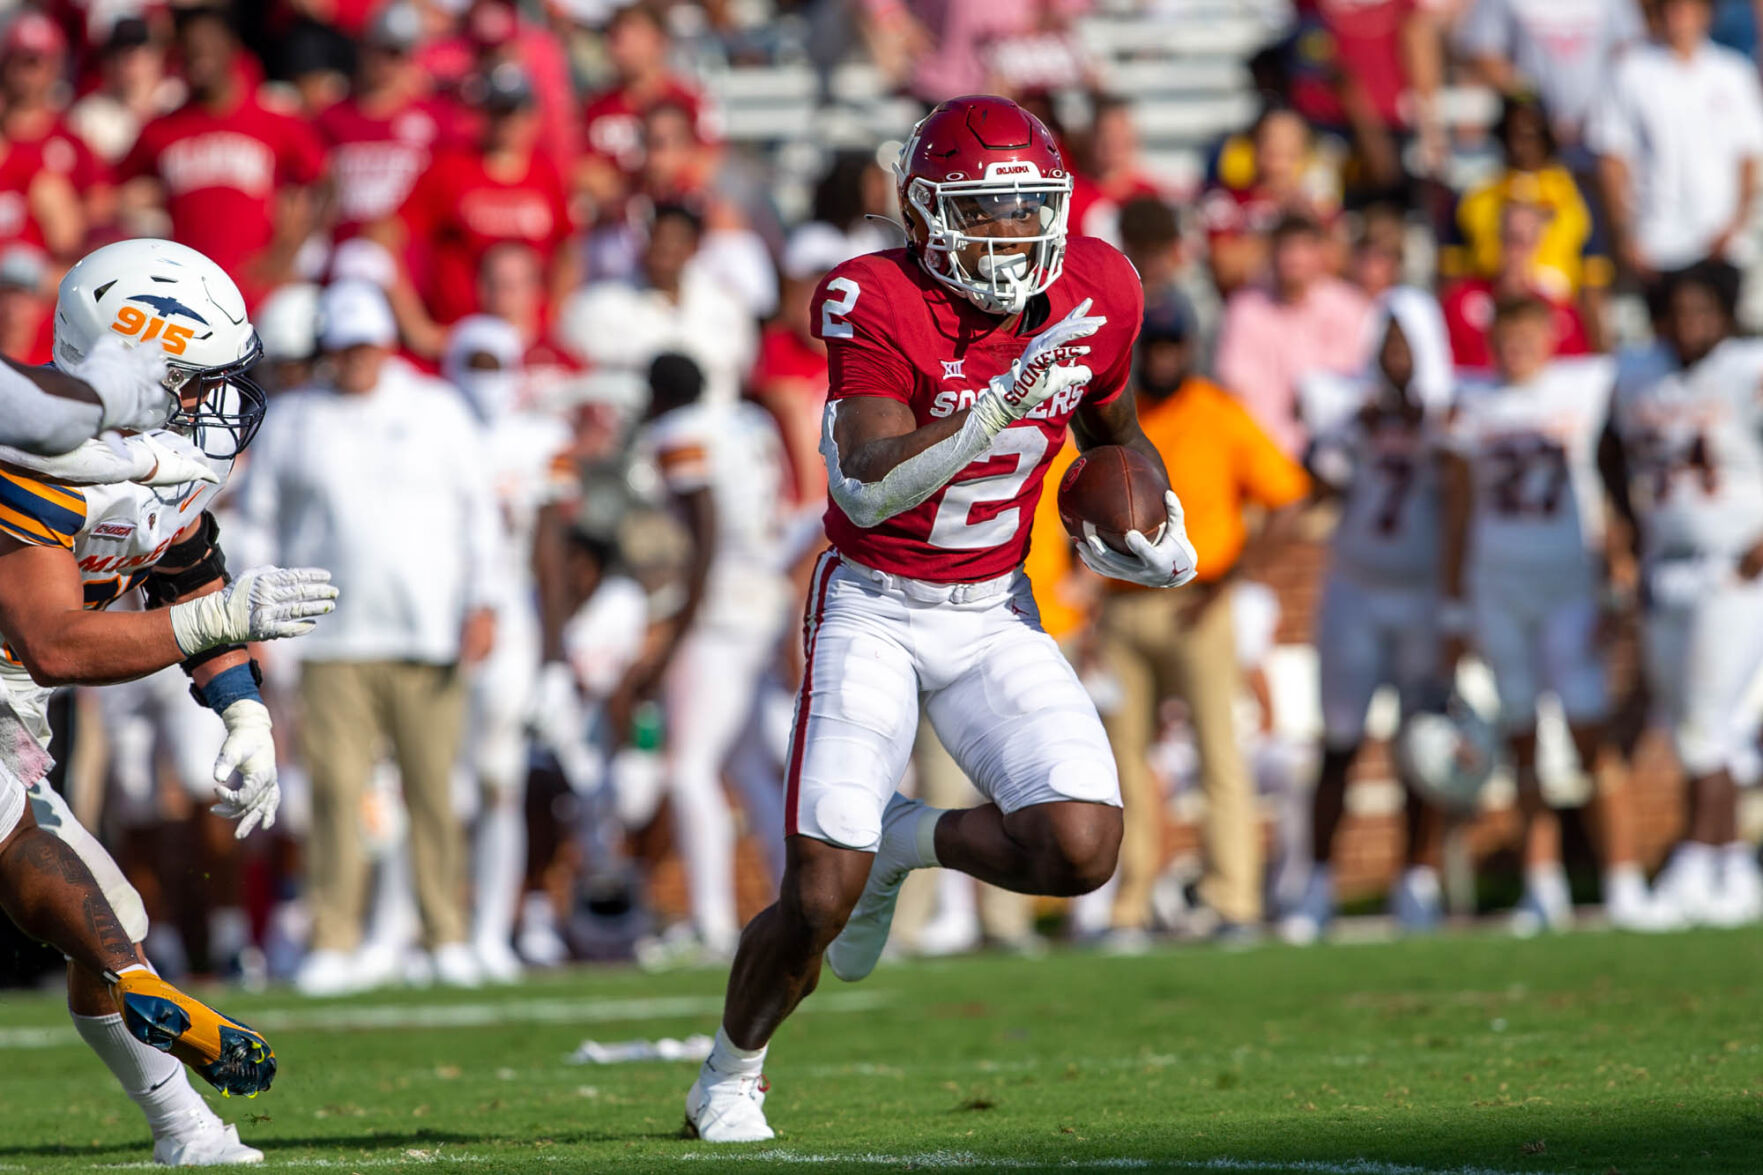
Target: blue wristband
column 230, row 685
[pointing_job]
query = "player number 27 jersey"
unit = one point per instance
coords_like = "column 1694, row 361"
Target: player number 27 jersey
column 892, row 331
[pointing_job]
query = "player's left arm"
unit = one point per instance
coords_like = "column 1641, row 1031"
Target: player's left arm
column 224, row 678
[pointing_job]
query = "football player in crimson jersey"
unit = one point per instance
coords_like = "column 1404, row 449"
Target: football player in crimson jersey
column 956, row 365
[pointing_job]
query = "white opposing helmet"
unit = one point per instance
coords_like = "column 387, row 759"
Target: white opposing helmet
column 1447, row 753
column 149, row 290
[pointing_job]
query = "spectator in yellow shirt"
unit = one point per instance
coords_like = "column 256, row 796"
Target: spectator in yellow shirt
column 1159, row 644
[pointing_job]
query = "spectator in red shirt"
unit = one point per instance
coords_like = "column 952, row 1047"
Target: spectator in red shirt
column 1468, row 304
column 38, row 207
column 33, row 62
column 1284, row 178
column 504, row 189
column 1356, row 60
column 384, row 134
column 234, row 175
column 133, row 89
column 511, row 286
column 493, row 33
column 1113, row 172
column 790, row 376
column 612, row 121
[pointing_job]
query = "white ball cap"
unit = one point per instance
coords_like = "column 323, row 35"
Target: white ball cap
column 354, row 314
column 287, row 322
column 814, row 249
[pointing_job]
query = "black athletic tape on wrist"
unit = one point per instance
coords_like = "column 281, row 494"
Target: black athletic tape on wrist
column 189, row 664
column 201, row 562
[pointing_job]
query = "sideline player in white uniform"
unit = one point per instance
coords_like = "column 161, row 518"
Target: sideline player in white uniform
column 957, row 364
column 1373, row 443
column 483, row 358
column 1523, row 572
column 1689, row 416
column 66, row 553
column 723, row 468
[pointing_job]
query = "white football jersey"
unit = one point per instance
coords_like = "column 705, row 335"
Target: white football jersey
column 735, row 452
column 1693, row 439
column 1388, row 532
column 526, row 455
column 115, row 532
column 1532, row 450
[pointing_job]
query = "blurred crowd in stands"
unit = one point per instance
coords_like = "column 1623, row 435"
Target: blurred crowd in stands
column 547, row 402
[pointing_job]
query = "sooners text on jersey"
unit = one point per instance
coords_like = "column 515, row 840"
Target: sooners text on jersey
column 891, row 330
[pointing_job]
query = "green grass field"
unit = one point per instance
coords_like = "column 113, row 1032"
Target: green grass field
column 1591, row 1053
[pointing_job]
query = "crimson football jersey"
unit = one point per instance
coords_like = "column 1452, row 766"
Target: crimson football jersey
column 892, row 330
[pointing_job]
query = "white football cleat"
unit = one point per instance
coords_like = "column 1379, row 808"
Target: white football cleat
column 207, row 1147
column 857, row 949
column 728, row 1108
column 457, row 966
column 325, row 973
column 497, row 960
column 1540, row 909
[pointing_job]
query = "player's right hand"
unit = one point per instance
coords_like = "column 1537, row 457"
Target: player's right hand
column 264, row 604
column 1046, row 368
column 129, row 383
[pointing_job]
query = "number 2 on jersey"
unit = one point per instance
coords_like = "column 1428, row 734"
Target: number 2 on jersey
column 954, row 529
column 833, row 310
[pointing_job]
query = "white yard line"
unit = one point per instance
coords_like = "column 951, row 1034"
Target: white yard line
column 969, row 1160
column 319, row 1017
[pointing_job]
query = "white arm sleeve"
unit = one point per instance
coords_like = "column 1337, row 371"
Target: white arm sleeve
column 871, row 503
column 37, row 422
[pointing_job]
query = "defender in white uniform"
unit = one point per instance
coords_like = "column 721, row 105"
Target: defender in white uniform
column 1522, row 575
column 723, row 468
column 484, row 360
column 1373, row 438
column 1689, row 415
column 66, row 553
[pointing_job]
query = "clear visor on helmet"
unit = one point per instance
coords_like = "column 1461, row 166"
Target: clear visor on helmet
column 219, row 408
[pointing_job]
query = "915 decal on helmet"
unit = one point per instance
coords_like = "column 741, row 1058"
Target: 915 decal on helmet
column 985, row 196
column 153, row 291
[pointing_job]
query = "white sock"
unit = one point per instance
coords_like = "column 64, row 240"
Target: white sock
column 499, row 868
column 726, row 1059
column 1697, row 858
column 156, row 1081
column 1740, row 854
column 1548, row 882
column 1624, row 884
column 924, row 838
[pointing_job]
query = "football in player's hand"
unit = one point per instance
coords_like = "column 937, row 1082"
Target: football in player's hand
column 1110, row 490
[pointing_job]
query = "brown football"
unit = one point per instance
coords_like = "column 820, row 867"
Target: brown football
column 1110, row 490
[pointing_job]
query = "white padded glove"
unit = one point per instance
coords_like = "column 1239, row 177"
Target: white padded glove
column 129, row 382
column 1169, row 562
column 159, row 458
column 250, row 749
column 264, row 604
column 1044, row 370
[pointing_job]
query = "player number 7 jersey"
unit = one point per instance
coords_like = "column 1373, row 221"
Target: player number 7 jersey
column 892, row 331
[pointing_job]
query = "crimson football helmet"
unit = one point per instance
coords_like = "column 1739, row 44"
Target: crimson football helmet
column 985, row 196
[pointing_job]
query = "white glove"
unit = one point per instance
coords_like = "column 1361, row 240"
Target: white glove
column 264, row 604
column 1044, row 370
column 159, row 458
column 1169, row 562
column 556, row 714
column 129, row 382
column 250, row 748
